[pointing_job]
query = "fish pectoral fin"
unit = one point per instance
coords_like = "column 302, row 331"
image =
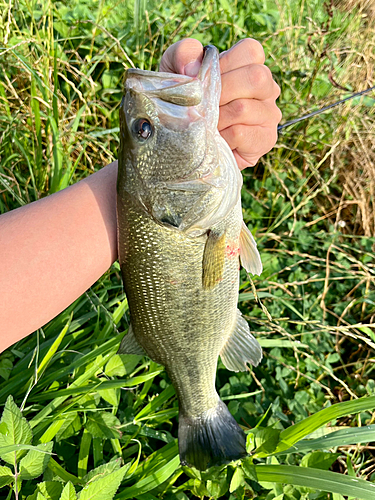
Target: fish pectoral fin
column 213, row 260
column 130, row 345
column 241, row 348
column 249, row 255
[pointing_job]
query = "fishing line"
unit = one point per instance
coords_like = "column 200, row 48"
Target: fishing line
column 325, row 108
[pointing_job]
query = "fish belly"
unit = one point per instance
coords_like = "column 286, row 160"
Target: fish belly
column 178, row 323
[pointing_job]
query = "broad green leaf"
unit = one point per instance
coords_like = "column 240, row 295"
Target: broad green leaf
column 71, row 424
column 35, row 462
column 238, row 479
column 121, row 364
column 51, row 489
column 103, row 425
column 150, row 482
column 266, row 439
column 101, row 471
column 153, row 433
column 112, row 396
column 18, row 431
column 317, row 479
column 5, row 368
column 298, row 431
column 36, row 496
column 249, row 468
column 319, row 460
column 103, row 488
column 68, row 493
column 341, row 437
column 6, row 476
column 48, row 490
column 250, row 442
column 337, row 496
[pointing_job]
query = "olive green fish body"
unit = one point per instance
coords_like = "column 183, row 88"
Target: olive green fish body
column 180, row 234
column 172, row 314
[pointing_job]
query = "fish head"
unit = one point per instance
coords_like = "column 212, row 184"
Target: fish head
column 166, row 122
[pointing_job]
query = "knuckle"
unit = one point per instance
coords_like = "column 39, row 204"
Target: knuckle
column 255, row 48
column 238, row 133
column 259, row 75
column 238, row 107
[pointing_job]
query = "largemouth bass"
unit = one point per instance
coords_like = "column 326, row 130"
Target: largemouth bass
column 181, row 234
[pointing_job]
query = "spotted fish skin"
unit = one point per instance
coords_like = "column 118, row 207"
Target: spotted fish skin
column 180, row 232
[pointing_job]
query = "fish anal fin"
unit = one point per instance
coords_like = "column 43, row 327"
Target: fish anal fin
column 250, row 258
column 213, row 260
column 130, row 345
column 241, row 348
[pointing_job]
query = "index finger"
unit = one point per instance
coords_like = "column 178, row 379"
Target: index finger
column 245, row 52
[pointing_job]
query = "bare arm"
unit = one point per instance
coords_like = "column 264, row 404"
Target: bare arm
column 52, row 250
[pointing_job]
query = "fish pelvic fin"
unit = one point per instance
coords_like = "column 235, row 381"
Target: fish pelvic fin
column 130, row 345
column 250, row 258
column 213, row 260
column 241, row 347
column 213, row 438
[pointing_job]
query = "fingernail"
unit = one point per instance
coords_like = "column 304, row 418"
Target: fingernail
column 192, row 68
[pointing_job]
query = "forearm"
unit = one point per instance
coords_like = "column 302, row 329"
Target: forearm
column 52, row 250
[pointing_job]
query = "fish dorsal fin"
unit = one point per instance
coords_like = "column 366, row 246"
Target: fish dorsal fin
column 213, row 260
column 241, row 348
column 130, row 345
column 250, row 258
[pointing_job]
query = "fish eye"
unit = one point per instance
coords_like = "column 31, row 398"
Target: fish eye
column 142, row 128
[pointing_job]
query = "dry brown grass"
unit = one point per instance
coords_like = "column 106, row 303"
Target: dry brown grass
column 355, row 154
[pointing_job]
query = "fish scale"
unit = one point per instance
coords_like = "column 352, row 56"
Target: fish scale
column 180, row 230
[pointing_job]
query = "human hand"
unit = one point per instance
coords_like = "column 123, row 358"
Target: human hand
column 248, row 115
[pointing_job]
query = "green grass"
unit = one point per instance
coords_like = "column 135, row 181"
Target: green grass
column 109, row 420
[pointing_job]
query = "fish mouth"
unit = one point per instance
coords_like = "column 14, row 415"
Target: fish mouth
column 176, row 89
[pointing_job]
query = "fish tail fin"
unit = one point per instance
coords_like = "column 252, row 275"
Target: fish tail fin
column 213, row 438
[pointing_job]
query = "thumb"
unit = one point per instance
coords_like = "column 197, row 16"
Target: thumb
column 183, row 57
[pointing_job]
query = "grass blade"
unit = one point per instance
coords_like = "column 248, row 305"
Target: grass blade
column 295, row 433
column 317, row 479
column 342, row 437
column 150, row 482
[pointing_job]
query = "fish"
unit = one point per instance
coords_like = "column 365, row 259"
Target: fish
column 180, row 237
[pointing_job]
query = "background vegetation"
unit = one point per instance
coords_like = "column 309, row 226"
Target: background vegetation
column 109, row 420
